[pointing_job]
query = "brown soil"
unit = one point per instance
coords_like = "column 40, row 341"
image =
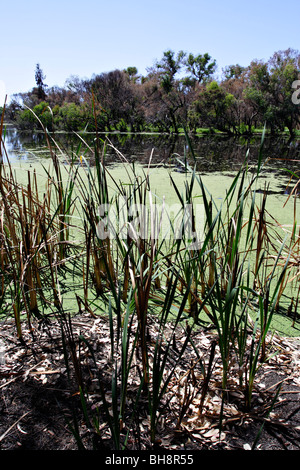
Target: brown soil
column 40, row 403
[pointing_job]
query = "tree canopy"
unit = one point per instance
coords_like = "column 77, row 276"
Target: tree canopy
column 179, row 90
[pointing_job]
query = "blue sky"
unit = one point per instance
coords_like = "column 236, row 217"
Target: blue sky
column 72, row 37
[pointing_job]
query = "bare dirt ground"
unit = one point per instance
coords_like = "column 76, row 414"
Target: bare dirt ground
column 40, row 403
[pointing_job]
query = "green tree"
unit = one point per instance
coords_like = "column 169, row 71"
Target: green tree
column 284, row 70
column 215, row 108
column 201, row 67
column 72, row 117
column 233, row 71
column 170, row 65
column 27, row 119
column 169, row 102
column 39, row 80
column 270, row 89
column 116, row 98
column 235, row 80
column 132, row 73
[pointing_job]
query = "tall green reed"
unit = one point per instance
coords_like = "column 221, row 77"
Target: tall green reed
column 232, row 277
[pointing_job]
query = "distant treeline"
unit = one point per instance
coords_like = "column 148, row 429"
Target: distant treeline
column 180, row 90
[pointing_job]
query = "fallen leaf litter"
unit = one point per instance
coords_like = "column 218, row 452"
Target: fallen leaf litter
column 188, row 418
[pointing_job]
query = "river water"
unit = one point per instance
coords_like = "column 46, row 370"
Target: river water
column 216, row 158
column 212, row 153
